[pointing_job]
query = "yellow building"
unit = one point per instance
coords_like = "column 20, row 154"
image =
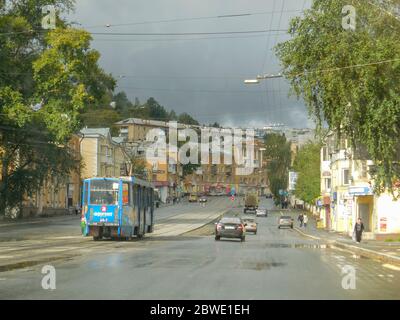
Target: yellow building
column 102, row 155
column 57, row 198
column 347, row 192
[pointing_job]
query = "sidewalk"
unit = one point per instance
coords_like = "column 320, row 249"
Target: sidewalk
column 36, row 220
column 385, row 251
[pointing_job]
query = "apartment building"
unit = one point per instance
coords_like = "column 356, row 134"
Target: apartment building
column 347, row 192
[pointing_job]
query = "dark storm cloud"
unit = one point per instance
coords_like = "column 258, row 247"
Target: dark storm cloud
column 201, row 75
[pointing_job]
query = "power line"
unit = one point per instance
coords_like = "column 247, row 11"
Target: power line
column 182, row 39
column 185, row 19
column 154, row 33
column 188, row 90
column 333, row 69
column 185, row 33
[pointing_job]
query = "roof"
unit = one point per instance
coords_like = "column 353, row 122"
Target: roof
column 118, row 140
column 95, row 131
column 143, row 122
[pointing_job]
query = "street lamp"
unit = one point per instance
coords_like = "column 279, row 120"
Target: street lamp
column 263, row 77
column 252, row 81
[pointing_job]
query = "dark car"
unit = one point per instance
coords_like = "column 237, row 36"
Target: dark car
column 285, row 221
column 231, row 227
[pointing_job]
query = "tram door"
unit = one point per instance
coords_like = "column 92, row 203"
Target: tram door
column 140, row 208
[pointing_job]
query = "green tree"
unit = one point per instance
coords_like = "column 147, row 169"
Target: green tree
column 46, row 81
column 186, row 118
column 307, row 165
column 278, row 155
column 362, row 102
column 123, row 104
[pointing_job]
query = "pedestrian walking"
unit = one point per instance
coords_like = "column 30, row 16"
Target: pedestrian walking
column 305, row 221
column 77, row 209
column 358, row 230
column 301, row 219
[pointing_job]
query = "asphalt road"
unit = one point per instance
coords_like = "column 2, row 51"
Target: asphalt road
column 274, row 264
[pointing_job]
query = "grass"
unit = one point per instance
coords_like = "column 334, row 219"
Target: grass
column 392, row 240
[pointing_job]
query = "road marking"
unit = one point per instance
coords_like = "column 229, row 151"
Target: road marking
column 390, row 266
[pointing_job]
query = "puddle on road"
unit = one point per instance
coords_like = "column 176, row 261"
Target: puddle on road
column 297, row 246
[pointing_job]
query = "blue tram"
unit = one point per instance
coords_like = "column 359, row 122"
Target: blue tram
column 117, row 208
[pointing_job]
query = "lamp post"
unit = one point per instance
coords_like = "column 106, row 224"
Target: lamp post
column 263, row 77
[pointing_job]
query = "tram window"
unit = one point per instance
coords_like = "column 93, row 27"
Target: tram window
column 103, row 192
column 125, row 193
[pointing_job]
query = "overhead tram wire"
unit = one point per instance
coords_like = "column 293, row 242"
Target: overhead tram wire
column 240, row 15
column 183, row 39
column 159, row 34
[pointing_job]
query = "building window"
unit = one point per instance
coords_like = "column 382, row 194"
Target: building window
column 327, row 184
column 364, row 170
column 325, row 154
column 346, row 177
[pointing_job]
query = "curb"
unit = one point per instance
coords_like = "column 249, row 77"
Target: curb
column 362, row 251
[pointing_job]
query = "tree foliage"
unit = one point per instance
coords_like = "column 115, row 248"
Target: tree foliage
column 47, row 78
column 361, row 102
column 307, row 165
column 278, row 155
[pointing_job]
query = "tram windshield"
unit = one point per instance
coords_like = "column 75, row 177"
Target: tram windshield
column 104, row 192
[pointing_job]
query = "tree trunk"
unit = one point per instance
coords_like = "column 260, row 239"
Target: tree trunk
column 3, row 183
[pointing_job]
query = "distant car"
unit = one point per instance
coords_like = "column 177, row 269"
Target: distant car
column 250, row 224
column 193, row 198
column 230, row 227
column 261, row 212
column 268, row 196
column 285, row 221
column 203, row 199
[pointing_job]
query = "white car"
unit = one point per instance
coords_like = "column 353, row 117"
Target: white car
column 261, row 212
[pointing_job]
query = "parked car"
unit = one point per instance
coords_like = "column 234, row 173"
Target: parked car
column 250, row 224
column 193, row 198
column 203, row 199
column 230, row 227
column 261, row 212
column 285, row 221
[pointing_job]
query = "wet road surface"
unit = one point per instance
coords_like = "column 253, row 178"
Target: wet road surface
column 274, row 264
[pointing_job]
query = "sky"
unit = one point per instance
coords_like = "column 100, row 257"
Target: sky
column 202, row 75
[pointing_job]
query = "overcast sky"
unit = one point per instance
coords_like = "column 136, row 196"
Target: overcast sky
column 199, row 74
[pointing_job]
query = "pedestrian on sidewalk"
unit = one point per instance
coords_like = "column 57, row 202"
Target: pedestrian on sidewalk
column 301, row 219
column 305, row 220
column 358, row 230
